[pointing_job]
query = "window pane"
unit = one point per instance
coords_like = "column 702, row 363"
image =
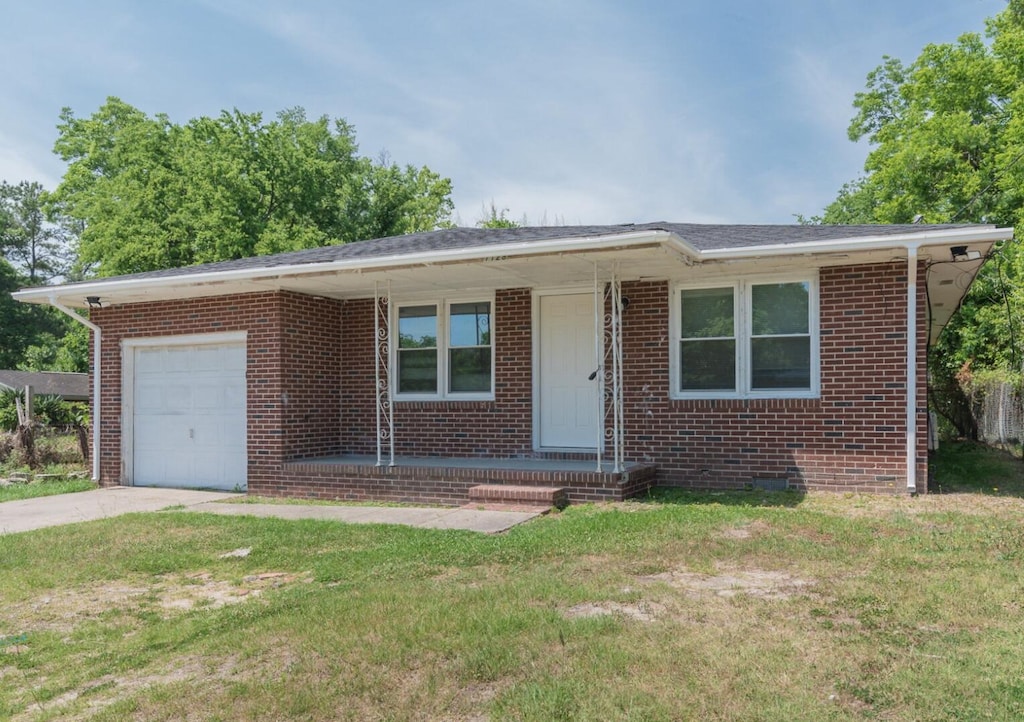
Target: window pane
column 417, row 371
column 780, row 308
column 470, row 324
column 707, row 312
column 469, row 369
column 707, row 365
column 780, row 363
column 417, row 327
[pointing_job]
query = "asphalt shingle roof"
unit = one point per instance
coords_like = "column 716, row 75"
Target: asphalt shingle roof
column 70, row 386
column 704, row 237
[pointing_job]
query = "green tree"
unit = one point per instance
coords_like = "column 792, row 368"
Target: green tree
column 494, row 218
column 21, row 325
column 152, row 194
column 947, row 145
column 32, row 244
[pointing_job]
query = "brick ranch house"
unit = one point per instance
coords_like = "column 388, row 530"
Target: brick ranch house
column 599, row 359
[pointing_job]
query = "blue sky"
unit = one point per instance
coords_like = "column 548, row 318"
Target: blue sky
column 567, row 111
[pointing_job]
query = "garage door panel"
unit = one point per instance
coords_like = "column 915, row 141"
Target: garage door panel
column 172, row 431
column 149, row 397
column 173, row 470
column 234, row 395
column 178, row 359
column 178, row 399
column 209, row 396
column 149, row 361
column 189, row 416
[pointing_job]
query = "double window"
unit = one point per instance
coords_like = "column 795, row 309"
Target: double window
column 444, row 349
column 746, row 339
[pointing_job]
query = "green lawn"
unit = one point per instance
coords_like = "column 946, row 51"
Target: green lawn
column 684, row 606
column 44, row 488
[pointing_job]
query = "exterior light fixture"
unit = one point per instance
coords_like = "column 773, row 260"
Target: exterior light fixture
column 93, row 301
column 960, row 253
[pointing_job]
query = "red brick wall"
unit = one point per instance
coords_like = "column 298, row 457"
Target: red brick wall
column 311, row 389
column 852, row 437
column 501, row 427
column 311, row 376
column 292, row 367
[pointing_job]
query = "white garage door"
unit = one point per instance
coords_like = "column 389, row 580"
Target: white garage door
column 189, row 416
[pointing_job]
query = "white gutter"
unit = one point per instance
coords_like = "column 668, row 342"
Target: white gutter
column 521, row 248
column 436, row 257
column 912, row 368
column 865, row 243
column 96, row 386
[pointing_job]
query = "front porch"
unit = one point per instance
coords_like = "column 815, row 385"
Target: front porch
column 447, row 480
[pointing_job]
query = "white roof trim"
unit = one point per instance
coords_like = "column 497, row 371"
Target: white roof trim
column 577, row 244
column 864, row 243
column 433, row 257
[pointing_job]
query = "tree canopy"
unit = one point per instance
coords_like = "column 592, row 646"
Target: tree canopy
column 153, row 194
column 31, row 243
column 947, row 145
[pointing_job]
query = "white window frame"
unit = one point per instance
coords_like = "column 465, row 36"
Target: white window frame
column 443, row 306
column 742, row 328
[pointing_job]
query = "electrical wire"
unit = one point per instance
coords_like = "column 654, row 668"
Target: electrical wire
column 1009, row 312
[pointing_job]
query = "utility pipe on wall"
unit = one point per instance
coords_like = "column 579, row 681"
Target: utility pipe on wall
column 912, row 368
column 97, row 356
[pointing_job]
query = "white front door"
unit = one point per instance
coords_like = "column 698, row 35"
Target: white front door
column 567, row 395
column 189, row 416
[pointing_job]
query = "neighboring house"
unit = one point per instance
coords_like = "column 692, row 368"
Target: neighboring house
column 66, row 385
column 602, row 359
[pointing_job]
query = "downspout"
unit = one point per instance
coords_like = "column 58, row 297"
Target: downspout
column 912, row 368
column 96, row 386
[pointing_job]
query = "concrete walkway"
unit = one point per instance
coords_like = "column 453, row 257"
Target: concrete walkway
column 28, row 514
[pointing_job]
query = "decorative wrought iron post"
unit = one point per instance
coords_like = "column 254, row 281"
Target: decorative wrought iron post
column 599, row 358
column 608, row 346
column 382, row 372
column 612, row 331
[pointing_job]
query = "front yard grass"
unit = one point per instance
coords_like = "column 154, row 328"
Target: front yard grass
column 682, row 606
column 44, row 488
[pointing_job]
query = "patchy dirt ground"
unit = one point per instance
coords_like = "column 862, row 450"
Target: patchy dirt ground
column 168, row 594
column 642, row 611
column 754, row 582
column 62, row 610
column 759, row 583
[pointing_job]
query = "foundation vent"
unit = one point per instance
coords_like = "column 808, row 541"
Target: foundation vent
column 769, row 484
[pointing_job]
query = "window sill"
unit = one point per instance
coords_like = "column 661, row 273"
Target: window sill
column 745, row 397
column 419, row 398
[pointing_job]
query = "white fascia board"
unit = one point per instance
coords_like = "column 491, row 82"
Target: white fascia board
column 578, row 244
column 377, row 263
column 863, row 243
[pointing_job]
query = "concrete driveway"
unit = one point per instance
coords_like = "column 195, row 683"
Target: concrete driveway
column 44, row 511
column 29, row 514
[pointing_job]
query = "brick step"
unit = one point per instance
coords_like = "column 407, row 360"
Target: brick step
column 511, row 495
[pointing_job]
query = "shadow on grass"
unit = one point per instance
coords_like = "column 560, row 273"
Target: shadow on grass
column 966, row 467
column 754, row 498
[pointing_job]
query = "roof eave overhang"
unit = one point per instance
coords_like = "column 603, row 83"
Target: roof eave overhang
column 922, row 239
column 75, row 294
column 581, row 244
